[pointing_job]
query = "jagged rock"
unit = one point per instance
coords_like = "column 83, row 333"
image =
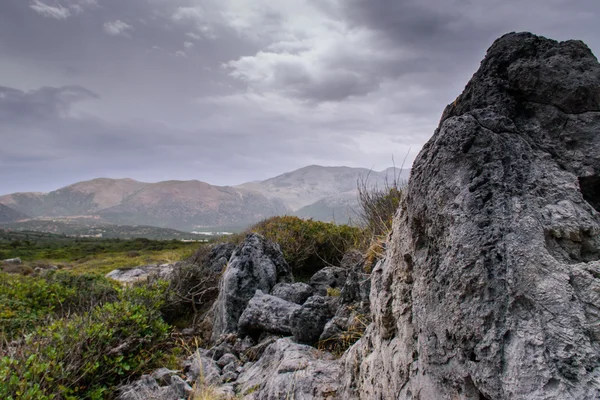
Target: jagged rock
column 180, row 387
column 227, row 359
column 295, row 292
column 229, row 376
column 218, row 257
column 231, row 367
column 357, row 287
column 266, row 313
column 490, row 285
column 242, row 345
column 200, row 368
column 334, row 328
column 147, row 388
column 256, row 352
column 328, row 277
column 308, row 321
column 142, row 273
column 288, row 370
column 255, row 264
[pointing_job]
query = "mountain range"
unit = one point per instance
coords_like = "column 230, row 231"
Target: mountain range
column 323, row 193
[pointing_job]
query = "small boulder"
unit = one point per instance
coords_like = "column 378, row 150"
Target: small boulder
column 163, row 376
column 200, row 368
column 13, row 261
column 266, row 313
column 142, row 273
column 328, row 277
column 295, row 292
column 227, row 359
column 308, row 321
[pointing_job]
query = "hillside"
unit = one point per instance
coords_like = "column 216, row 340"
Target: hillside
column 323, row 193
column 313, row 184
column 86, row 227
column 8, row 214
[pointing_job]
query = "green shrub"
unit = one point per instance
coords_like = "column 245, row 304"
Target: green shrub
column 85, row 356
column 26, row 302
column 309, row 245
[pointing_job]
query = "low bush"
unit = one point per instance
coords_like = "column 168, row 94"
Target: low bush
column 85, row 356
column 26, row 302
column 308, row 245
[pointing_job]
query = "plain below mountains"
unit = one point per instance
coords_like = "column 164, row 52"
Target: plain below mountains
column 323, row 193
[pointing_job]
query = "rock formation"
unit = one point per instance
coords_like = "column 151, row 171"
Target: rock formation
column 257, row 264
column 490, row 288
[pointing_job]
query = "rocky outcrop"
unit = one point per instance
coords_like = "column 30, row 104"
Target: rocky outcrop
column 490, row 287
column 256, row 264
column 288, row 370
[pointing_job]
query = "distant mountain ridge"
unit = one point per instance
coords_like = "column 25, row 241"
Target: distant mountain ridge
column 323, row 193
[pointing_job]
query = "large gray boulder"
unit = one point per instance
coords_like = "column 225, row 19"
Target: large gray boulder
column 267, row 313
column 288, row 370
column 295, row 292
column 490, row 288
column 256, row 264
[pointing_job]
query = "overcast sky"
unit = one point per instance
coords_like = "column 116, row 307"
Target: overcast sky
column 227, row 91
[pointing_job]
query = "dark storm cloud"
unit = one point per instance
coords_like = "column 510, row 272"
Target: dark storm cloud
column 231, row 90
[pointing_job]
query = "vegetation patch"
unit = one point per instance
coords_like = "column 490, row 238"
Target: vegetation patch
column 308, row 245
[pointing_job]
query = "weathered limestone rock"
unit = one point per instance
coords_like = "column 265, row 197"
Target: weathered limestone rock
column 147, row 388
column 266, row 313
column 142, row 273
column 295, row 292
column 200, row 368
column 218, row 257
column 288, row 370
column 490, row 288
column 256, row 264
column 328, row 277
column 308, row 321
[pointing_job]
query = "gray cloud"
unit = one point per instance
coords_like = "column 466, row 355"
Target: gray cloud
column 117, row 28
column 227, row 91
column 57, row 12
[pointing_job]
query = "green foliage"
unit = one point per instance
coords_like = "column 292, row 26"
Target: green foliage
column 33, row 246
column 26, row 302
column 309, row 245
column 85, row 356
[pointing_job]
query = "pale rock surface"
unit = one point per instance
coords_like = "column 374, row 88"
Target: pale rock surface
column 490, row 288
